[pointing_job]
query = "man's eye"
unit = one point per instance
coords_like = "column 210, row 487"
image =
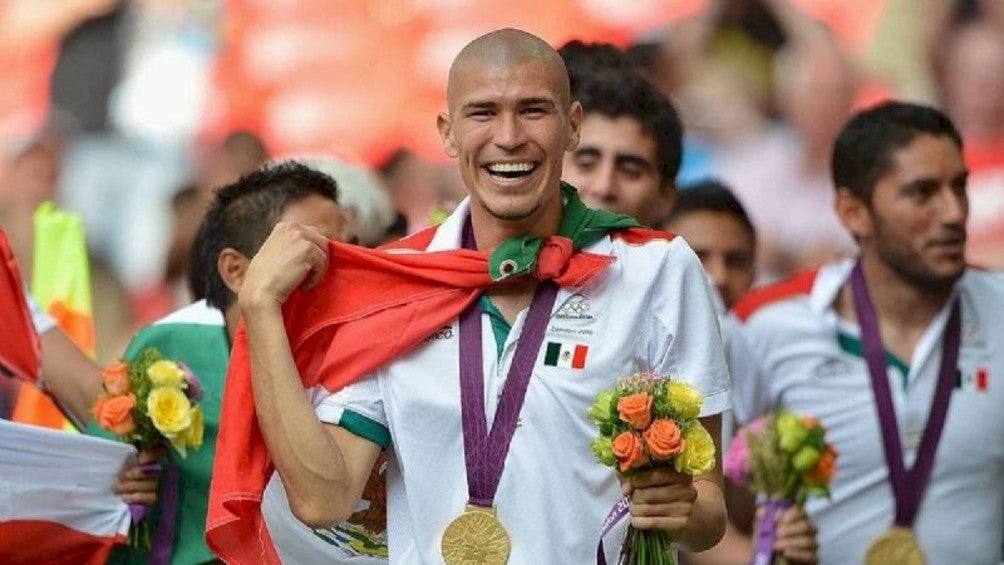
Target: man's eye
column 632, row 172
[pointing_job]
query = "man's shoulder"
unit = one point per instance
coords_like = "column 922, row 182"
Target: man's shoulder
column 984, row 283
column 196, row 327
column 776, row 298
column 199, row 313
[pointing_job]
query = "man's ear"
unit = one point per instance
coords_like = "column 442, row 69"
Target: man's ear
column 232, row 266
column 854, row 213
column 574, row 125
column 445, row 127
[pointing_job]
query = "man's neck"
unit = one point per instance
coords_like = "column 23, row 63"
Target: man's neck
column 231, row 316
column 490, row 231
column 904, row 311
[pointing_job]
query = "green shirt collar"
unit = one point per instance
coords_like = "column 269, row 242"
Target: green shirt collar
column 582, row 225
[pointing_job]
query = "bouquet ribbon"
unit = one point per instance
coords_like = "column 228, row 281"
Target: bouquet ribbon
column 764, row 553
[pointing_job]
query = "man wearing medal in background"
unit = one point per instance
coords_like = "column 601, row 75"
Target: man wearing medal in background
column 899, row 353
column 536, row 494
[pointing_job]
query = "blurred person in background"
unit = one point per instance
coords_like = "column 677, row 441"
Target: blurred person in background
column 361, row 196
column 134, row 83
column 968, row 64
column 714, row 223
column 630, row 142
column 412, row 186
column 762, row 89
column 239, row 218
column 30, row 178
column 626, row 161
column 780, row 173
column 897, row 348
column 217, row 164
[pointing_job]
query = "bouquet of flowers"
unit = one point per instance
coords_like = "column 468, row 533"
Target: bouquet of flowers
column 650, row 421
column 149, row 403
column 784, row 458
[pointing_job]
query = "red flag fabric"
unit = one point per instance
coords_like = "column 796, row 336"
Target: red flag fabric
column 394, row 293
column 19, row 349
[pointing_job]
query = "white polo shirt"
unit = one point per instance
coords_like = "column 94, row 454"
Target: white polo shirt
column 809, row 360
column 649, row 311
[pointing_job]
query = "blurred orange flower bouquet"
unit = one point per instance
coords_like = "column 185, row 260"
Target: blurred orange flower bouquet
column 151, row 402
column 784, row 458
column 649, row 421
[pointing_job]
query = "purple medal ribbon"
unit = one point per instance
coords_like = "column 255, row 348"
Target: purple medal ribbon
column 764, row 554
column 484, row 451
column 616, row 514
column 907, row 485
column 163, row 539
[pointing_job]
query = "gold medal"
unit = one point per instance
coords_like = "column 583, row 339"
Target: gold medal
column 476, row 537
column 896, row 546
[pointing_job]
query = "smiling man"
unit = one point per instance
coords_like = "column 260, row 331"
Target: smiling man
column 630, row 143
column 536, row 486
column 898, row 353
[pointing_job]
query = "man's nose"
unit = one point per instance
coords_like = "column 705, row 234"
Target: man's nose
column 509, row 134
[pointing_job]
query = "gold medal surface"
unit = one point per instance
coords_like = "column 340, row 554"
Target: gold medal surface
column 476, row 537
column 896, row 546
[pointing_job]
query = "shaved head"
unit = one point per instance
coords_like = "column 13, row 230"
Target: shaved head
column 508, row 48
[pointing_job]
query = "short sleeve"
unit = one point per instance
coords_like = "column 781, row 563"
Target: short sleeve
column 358, row 408
column 749, row 392
column 688, row 332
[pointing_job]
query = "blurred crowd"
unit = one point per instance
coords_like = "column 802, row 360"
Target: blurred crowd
column 760, row 86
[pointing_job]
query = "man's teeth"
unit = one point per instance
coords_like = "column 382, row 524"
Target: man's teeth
column 510, row 167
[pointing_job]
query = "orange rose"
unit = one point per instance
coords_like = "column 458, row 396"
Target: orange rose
column 628, row 450
column 635, row 410
column 824, row 469
column 810, row 422
column 663, row 439
column 114, row 413
column 116, row 378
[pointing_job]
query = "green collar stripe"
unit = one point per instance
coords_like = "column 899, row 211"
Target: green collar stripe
column 853, row 346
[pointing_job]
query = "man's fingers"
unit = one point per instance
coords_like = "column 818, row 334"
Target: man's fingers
column 144, row 498
column 662, row 494
column 660, row 477
column 123, row 487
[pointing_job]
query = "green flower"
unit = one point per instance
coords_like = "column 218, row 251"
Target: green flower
column 805, row 459
column 791, row 431
column 603, row 449
column 602, row 410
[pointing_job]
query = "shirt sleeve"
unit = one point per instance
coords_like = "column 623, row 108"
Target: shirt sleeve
column 687, row 329
column 358, row 408
column 749, row 391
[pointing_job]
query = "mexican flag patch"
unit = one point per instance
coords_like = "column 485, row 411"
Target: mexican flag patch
column 572, row 356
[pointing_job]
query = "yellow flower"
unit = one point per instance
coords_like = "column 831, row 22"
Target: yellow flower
column 190, row 436
column 166, row 373
column 170, row 410
column 698, row 456
column 684, row 399
column 193, row 437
